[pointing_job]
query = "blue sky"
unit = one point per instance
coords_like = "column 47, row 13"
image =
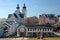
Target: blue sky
column 34, row 7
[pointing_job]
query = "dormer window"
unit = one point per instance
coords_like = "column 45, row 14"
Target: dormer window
column 15, row 16
column 21, row 15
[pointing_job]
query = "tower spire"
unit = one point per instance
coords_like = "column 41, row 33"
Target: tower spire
column 24, row 6
column 17, row 6
column 24, row 11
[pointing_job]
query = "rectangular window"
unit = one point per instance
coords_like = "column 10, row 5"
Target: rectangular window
column 48, row 29
column 38, row 29
column 45, row 29
column 28, row 29
column 33, row 29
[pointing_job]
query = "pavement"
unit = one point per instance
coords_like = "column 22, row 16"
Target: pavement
column 29, row 39
column 13, row 38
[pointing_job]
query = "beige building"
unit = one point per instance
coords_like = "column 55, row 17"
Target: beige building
column 33, row 30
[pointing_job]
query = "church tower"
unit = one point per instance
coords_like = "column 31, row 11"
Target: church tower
column 18, row 8
column 24, row 11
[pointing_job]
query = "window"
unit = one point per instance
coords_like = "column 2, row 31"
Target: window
column 28, row 29
column 15, row 16
column 33, row 29
column 48, row 29
column 21, row 15
column 45, row 29
column 38, row 29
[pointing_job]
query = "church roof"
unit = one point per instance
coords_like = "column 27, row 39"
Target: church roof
column 9, row 15
column 37, row 26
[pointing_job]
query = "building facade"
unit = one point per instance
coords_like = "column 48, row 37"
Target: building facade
column 47, row 18
column 33, row 30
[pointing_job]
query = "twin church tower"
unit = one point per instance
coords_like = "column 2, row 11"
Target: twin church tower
column 24, row 10
column 17, row 15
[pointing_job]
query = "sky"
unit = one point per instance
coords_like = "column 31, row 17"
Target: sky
column 34, row 7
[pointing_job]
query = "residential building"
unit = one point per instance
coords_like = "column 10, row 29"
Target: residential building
column 47, row 18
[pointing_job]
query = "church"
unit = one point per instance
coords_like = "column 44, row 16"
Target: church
column 17, row 15
column 15, row 24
